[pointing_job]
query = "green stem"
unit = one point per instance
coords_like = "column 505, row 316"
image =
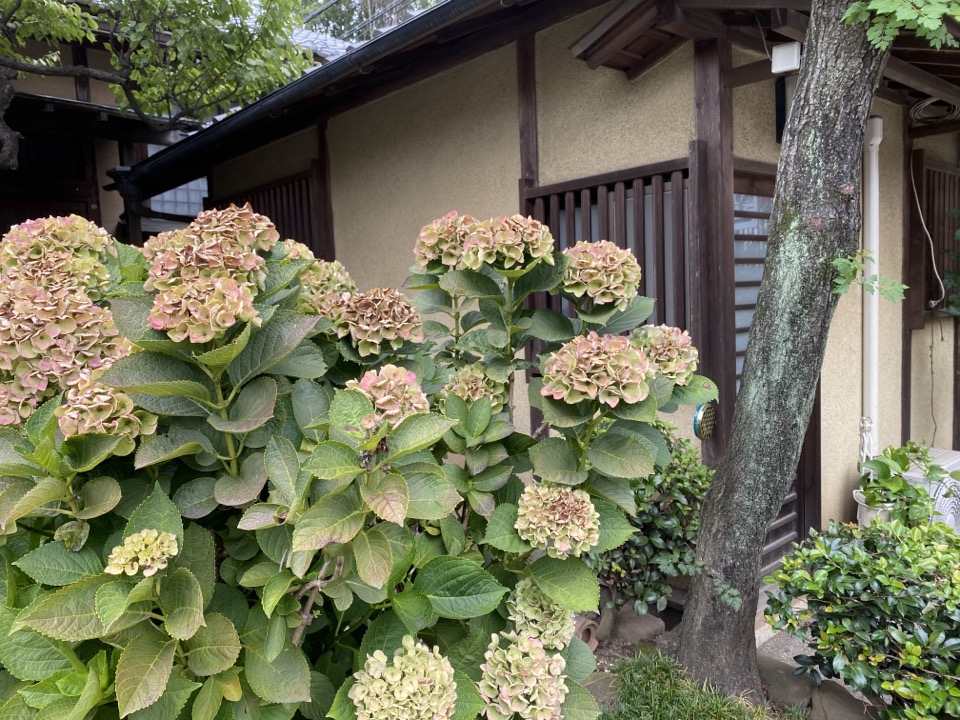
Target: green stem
column 232, row 466
column 588, row 437
column 509, row 349
column 75, row 662
column 457, row 331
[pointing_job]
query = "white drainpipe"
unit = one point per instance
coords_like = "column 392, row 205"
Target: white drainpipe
column 871, row 301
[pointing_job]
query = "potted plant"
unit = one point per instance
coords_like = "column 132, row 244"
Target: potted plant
column 887, row 493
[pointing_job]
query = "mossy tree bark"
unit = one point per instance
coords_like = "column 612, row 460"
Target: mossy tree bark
column 816, row 219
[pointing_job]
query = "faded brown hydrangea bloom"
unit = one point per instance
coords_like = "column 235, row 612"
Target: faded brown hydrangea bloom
column 323, row 284
column 443, row 240
column 417, row 684
column 605, row 368
column 670, row 349
column 520, row 678
column 602, row 272
column 377, row 317
column 206, row 275
column 394, row 392
column 147, row 551
column 470, row 383
column 507, row 243
column 92, row 407
column 535, row 615
column 559, row 520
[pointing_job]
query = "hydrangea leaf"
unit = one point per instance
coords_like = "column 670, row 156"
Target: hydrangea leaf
column 181, row 600
column 469, row 704
column 471, row 284
column 214, row 648
column 336, row 518
column 283, row 469
column 615, row 528
column 569, row 582
column 253, row 408
column 431, row 495
column 551, row 326
column 389, row 496
column 143, row 672
column 222, row 356
column 175, row 695
column 698, row 389
column 28, row 655
column 332, row 461
column 98, row 497
column 84, row 452
column 343, row 707
column 385, row 634
column 620, row 456
column 157, row 374
column 502, row 531
column 322, row 693
column 285, row 678
column 414, row 610
column 164, row 448
column 68, row 614
column 555, row 461
column 580, row 660
column 415, row 433
column 269, row 345
column 459, row 589
column 195, row 499
column 237, row 490
column 198, row 555
column 373, row 557
column 158, row 513
column 579, row 703
column 53, row 564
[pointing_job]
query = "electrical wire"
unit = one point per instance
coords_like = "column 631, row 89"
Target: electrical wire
column 933, row 250
column 762, row 36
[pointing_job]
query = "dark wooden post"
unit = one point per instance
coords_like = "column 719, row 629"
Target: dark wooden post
column 324, row 246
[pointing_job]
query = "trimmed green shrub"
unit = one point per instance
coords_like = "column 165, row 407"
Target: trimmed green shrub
column 233, row 486
column 667, row 520
column 882, row 613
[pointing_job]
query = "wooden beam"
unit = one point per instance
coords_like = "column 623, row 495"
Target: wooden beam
column 791, row 24
column 920, row 131
column 906, row 334
column 651, row 59
column 81, row 84
column 691, row 24
column 321, row 186
column 642, row 20
column 921, row 80
column 527, row 109
column 609, row 22
column 750, row 73
column 743, row 4
column 714, row 225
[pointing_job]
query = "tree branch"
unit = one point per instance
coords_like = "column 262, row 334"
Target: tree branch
column 81, row 71
column 9, row 138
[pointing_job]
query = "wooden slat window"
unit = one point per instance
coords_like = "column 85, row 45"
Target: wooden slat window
column 644, row 210
column 942, row 202
column 288, row 203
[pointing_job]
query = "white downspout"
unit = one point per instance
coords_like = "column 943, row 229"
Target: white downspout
column 871, row 301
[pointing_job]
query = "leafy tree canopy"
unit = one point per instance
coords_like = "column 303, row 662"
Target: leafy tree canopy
column 358, row 20
column 170, row 60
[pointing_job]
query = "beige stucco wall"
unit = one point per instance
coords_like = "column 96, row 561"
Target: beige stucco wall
column 111, row 203
column 841, row 383
column 287, row 156
column 447, row 143
column 755, row 115
column 594, row 121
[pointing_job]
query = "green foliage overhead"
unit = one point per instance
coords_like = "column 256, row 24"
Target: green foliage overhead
column 888, row 18
column 169, row 60
column 215, row 505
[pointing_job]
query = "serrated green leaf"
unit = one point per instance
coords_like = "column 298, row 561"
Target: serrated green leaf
column 697, row 390
column 19, row 500
column 385, row 634
column 343, row 707
column 174, row 698
column 372, row 556
column 555, row 461
column 579, row 704
column 157, row 512
column 467, row 655
column 98, row 497
column 311, row 405
column 550, row 326
column 615, row 528
column 182, row 603
column 569, row 582
column 616, row 491
column 112, row 600
column 130, row 316
column 143, row 672
column 253, row 408
column 208, row 701
column 581, row 662
column 13, row 464
column 222, row 356
column 636, row 313
column 471, row 284
column 431, row 495
column 285, row 678
column 53, row 564
column 274, row 590
column 306, row 362
column 469, row 703
column 414, row 610
column 336, row 518
column 388, row 497
column 157, row 374
column 620, row 456
column 82, row 453
column 415, row 433
column 214, row 648
column 643, row 411
column 163, row 448
column 68, row 614
column 347, row 411
column 269, row 345
column 502, row 531
column 236, row 490
column 198, row 555
column 195, row 498
column 260, row 516
column 458, row 589
column 332, row 461
column 322, row 693
column 28, row 655
column 283, row 469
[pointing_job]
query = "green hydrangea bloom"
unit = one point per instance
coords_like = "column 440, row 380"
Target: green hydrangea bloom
column 521, row 679
column 323, row 284
column 92, row 407
column 559, row 520
column 670, row 349
column 417, row 684
column 442, row 240
column 377, row 317
column 601, row 271
column 536, row 615
column 470, row 383
column 507, row 243
column 147, row 552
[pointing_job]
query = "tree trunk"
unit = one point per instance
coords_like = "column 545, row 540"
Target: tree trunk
column 815, row 219
column 9, row 138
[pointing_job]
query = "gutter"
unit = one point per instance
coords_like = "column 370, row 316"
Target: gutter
column 871, row 300
column 181, row 156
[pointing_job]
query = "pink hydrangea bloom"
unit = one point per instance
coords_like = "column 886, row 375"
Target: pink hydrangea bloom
column 394, row 392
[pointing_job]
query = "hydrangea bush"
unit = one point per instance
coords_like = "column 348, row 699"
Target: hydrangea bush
column 234, row 486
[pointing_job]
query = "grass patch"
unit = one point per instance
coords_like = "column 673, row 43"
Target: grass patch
column 652, row 687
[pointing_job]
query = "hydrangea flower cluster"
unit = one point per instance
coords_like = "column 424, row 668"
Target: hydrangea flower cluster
column 92, row 407
column 470, row 383
column 394, row 392
column 602, row 272
column 535, row 615
column 147, row 551
column 443, row 240
column 206, row 275
column 522, row 678
column 607, row 368
column 64, row 247
column 507, row 243
column 559, row 520
column 417, row 685
column 376, row 317
column 323, row 284
column 51, row 330
column 670, row 349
